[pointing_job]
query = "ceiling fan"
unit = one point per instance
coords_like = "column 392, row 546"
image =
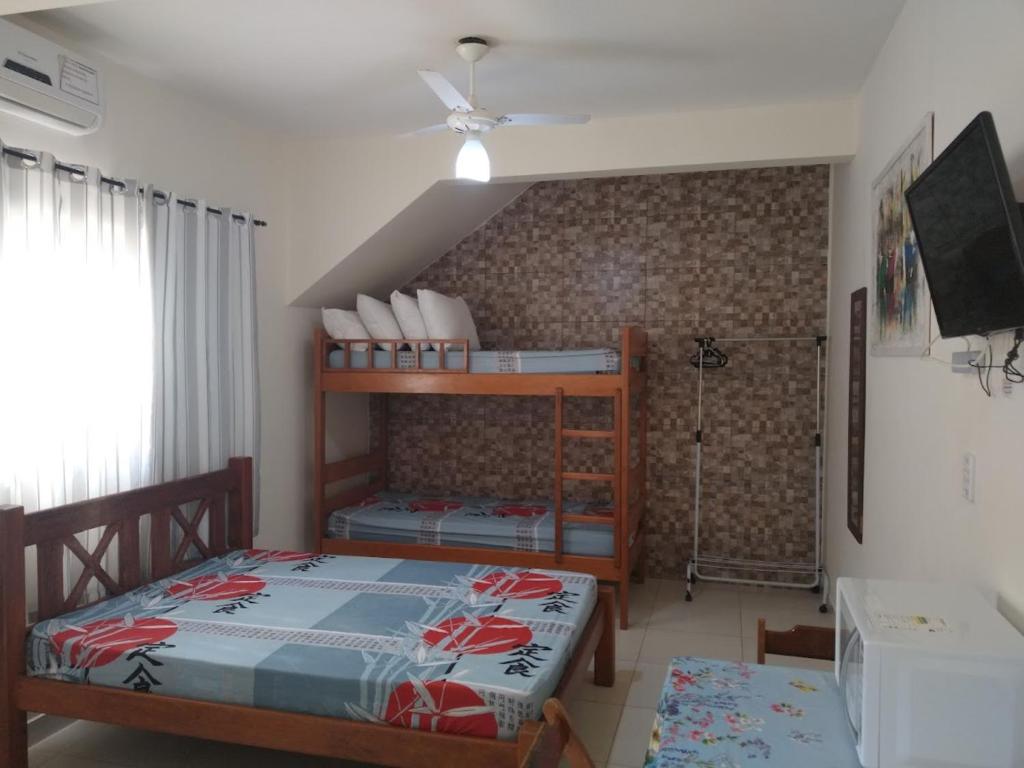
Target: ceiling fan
column 473, row 121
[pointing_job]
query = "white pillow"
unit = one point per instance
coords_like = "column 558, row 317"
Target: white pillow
column 407, row 312
column 447, row 318
column 378, row 318
column 342, row 324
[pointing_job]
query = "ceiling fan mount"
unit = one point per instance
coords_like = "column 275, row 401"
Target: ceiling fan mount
column 472, row 49
column 467, row 118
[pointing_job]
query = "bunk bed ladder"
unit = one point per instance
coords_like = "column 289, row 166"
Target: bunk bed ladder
column 559, row 475
column 619, row 498
column 616, row 478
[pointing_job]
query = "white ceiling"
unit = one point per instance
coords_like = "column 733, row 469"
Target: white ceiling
column 320, row 67
column 25, row 6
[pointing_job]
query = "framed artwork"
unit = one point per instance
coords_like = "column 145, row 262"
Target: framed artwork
column 855, row 434
column 900, row 303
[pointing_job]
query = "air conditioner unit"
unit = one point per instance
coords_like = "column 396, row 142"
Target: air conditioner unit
column 44, row 83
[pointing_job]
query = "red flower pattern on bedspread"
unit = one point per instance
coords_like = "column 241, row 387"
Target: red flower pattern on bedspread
column 520, row 510
column 102, row 642
column 217, row 587
column 434, row 505
column 519, row 585
column 440, row 705
column 483, row 635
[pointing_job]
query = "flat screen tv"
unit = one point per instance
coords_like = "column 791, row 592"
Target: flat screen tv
column 970, row 233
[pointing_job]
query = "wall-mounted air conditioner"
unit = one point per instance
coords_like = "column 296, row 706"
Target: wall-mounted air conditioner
column 44, row 83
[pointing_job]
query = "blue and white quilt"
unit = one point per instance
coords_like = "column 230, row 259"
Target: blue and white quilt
column 491, row 361
column 468, row 521
column 466, row 649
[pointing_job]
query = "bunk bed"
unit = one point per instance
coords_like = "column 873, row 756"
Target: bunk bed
column 354, row 514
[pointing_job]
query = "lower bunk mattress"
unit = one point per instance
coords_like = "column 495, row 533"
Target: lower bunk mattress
column 470, row 521
column 467, row 649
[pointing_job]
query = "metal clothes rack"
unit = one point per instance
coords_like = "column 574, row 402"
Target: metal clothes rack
column 816, row 577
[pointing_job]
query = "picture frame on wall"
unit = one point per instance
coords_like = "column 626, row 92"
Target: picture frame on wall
column 900, row 302
column 857, row 412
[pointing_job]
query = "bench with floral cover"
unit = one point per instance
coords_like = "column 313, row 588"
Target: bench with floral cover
column 720, row 714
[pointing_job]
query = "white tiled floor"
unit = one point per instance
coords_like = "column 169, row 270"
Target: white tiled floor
column 615, row 723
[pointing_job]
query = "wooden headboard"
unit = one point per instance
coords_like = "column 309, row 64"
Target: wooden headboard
column 223, row 499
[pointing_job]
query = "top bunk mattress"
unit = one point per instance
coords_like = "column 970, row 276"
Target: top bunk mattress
column 491, row 361
column 467, row 649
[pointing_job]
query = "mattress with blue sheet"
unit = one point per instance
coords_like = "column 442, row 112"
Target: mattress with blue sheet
column 469, row 521
column 491, row 361
column 466, row 649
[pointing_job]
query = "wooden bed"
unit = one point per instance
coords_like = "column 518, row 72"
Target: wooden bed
column 226, row 504
column 626, row 389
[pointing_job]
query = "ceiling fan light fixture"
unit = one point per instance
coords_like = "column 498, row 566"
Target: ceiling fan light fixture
column 473, row 162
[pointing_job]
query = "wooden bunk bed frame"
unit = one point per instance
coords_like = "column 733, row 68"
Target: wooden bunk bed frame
column 229, row 528
column 369, row 471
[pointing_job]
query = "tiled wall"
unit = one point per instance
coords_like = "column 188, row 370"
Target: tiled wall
column 725, row 253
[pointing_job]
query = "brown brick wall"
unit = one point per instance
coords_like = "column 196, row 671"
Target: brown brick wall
column 723, row 253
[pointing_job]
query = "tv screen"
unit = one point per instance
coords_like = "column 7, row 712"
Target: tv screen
column 970, row 234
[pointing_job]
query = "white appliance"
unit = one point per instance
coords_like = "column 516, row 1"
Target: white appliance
column 931, row 674
column 44, row 83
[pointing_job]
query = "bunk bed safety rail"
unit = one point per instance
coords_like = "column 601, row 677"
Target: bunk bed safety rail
column 396, row 364
column 372, row 466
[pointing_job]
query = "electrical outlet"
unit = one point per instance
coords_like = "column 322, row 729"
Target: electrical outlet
column 962, row 361
column 967, row 478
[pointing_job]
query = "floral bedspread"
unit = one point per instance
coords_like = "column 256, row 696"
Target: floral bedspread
column 720, row 714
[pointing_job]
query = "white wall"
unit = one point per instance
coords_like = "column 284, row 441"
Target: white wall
column 954, row 58
column 351, row 188
column 407, row 244
column 155, row 134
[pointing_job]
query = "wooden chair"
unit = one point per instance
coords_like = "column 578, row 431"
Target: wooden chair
column 801, row 640
column 556, row 741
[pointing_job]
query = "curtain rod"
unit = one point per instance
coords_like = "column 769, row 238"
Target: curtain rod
column 121, row 185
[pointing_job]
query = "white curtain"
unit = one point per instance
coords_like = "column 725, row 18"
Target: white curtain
column 206, row 386
column 76, row 377
column 127, row 337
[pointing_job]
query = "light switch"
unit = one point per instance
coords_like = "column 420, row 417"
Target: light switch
column 968, row 477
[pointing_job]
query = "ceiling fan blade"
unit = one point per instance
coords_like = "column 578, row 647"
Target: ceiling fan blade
column 428, row 130
column 445, row 91
column 527, row 118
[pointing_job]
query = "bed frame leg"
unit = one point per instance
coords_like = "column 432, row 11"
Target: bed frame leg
column 13, row 735
column 604, row 656
column 624, row 600
column 13, row 721
column 640, row 572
